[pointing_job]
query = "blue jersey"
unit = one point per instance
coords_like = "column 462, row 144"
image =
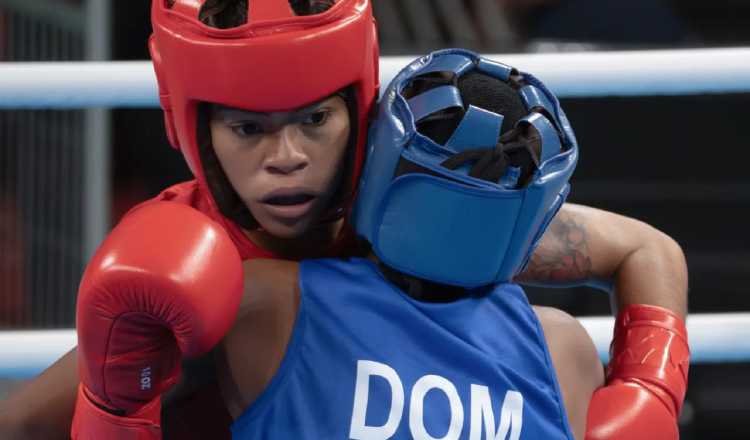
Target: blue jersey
column 366, row 361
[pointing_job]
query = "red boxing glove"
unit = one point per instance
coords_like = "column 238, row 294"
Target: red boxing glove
column 646, row 378
column 166, row 283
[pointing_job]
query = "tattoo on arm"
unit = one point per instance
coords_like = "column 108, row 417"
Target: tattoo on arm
column 562, row 256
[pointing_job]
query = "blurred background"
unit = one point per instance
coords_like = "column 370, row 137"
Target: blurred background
column 677, row 163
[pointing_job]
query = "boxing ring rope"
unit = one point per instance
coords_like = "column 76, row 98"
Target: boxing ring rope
column 714, row 337
column 588, row 74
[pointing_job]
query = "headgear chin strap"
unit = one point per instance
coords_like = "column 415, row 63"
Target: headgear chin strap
column 445, row 226
column 277, row 61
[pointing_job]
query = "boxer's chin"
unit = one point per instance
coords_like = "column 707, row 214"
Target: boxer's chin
column 287, row 221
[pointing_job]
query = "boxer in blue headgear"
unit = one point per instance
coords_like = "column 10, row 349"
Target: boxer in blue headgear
column 358, row 348
column 464, row 152
column 436, row 154
column 463, row 206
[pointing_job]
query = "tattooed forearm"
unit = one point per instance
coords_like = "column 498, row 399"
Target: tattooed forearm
column 563, row 255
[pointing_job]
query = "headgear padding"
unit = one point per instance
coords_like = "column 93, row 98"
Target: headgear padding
column 277, row 61
column 443, row 225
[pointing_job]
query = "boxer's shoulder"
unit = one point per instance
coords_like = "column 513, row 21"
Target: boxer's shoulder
column 566, row 337
column 577, row 366
column 553, row 318
column 271, row 283
column 264, row 327
column 185, row 193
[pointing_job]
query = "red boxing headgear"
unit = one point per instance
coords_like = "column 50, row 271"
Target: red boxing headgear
column 277, row 61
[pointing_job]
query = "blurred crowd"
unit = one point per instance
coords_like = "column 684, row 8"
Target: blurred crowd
column 412, row 26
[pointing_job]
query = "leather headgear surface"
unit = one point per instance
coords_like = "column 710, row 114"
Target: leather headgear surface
column 443, row 225
column 277, row 61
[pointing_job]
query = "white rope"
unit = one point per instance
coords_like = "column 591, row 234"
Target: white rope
column 77, row 85
column 587, row 74
column 717, row 337
column 25, row 354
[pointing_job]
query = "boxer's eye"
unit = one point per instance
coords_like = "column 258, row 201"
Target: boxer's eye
column 245, row 129
column 317, row 118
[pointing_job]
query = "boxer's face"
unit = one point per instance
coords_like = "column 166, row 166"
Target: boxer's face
column 285, row 166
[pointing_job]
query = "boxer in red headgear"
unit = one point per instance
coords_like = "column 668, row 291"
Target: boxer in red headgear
column 271, row 68
column 245, row 157
column 268, row 104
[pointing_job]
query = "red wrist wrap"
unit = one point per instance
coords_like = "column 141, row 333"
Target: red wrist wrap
column 650, row 347
column 91, row 422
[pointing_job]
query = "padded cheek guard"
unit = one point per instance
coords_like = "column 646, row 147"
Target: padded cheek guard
column 446, row 226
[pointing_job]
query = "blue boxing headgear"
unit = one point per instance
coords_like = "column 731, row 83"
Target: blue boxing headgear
column 444, row 225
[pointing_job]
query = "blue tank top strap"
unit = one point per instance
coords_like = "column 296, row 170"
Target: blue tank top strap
column 291, row 356
column 367, row 361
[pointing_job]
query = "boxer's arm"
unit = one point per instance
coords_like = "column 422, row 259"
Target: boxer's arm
column 577, row 365
column 42, row 408
column 252, row 351
column 585, row 245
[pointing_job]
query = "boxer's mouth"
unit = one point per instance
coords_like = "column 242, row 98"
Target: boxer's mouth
column 295, row 199
column 289, row 204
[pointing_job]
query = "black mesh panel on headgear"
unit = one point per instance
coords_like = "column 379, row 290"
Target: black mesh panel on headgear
column 477, row 89
column 310, row 7
column 488, row 93
column 224, row 14
column 493, row 94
